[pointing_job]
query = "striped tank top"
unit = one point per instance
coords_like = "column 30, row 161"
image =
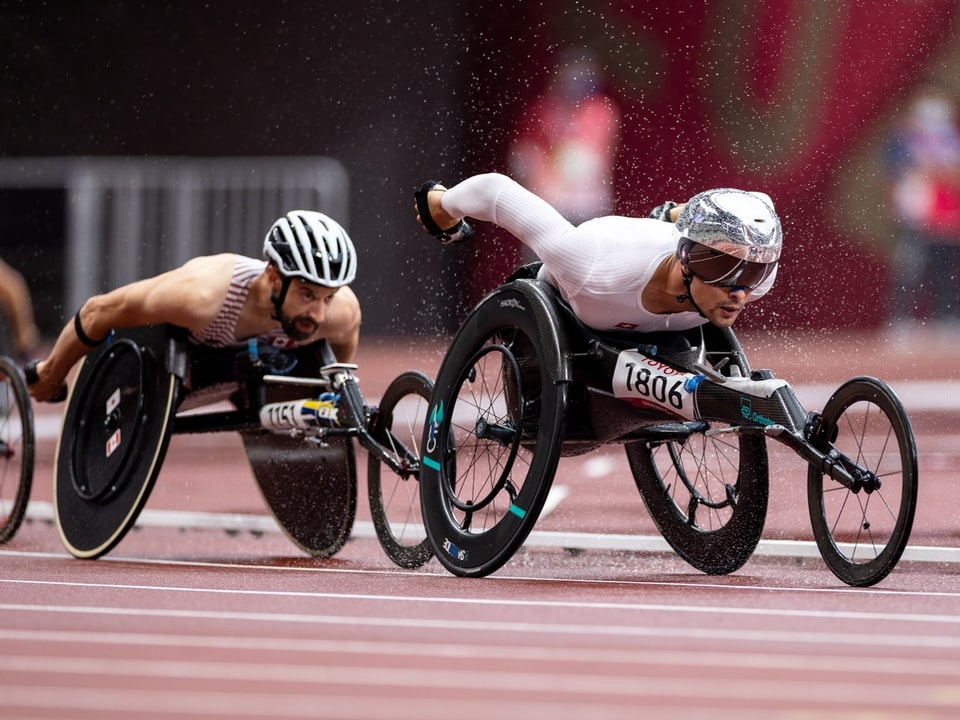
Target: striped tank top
column 222, row 331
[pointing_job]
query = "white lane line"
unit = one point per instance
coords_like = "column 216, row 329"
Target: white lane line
column 534, row 653
column 555, row 495
column 739, row 634
column 695, row 582
column 232, row 522
column 656, row 608
column 916, row 395
column 841, row 689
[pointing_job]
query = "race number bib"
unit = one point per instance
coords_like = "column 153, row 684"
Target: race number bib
column 649, row 383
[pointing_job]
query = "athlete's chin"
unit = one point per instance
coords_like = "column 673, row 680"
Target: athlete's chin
column 724, row 318
column 300, row 331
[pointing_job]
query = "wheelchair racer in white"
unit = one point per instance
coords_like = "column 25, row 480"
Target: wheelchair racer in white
column 716, row 253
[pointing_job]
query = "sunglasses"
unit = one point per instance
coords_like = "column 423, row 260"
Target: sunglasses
column 723, row 270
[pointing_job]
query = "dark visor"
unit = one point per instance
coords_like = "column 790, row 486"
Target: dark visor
column 717, row 268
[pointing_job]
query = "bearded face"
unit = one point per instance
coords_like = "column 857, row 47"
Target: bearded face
column 299, row 327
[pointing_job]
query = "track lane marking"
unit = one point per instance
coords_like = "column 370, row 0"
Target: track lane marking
column 40, row 511
column 951, row 619
column 696, row 581
column 842, row 691
column 749, row 660
column 460, row 625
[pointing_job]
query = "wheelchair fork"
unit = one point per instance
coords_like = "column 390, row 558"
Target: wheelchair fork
column 829, row 460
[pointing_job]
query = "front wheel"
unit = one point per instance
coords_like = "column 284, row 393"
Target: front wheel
column 862, row 531
column 395, row 497
column 16, row 449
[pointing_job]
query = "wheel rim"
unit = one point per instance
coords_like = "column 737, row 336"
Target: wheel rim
column 16, row 449
column 395, row 497
column 495, row 401
column 862, row 531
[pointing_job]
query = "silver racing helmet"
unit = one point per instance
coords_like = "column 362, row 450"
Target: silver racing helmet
column 729, row 238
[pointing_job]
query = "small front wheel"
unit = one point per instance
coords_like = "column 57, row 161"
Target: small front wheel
column 16, row 449
column 862, row 530
column 395, row 497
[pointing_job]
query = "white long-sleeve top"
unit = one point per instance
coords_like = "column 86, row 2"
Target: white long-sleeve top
column 599, row 267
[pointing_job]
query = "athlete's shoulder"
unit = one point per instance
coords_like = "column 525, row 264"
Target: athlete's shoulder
column 204, row 264
column 637, row 227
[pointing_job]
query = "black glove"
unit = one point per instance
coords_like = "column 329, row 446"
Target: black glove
column 458, row 233
column 31, row 376
column 662, row 212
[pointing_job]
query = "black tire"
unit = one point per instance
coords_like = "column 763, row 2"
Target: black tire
column 706, row 492
column 17, row 449
column 116, row 430
column 493, row 439
column 862, row 534
column 395, row 497
column 6, row 341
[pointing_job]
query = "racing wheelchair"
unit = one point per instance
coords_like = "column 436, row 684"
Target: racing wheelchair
column 146, row 384
column 524, row 383
column 17, row 448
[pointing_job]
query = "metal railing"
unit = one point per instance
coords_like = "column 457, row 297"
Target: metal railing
column 129, row 218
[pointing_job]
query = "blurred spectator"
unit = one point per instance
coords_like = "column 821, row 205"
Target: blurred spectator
column 924, row 163
column 16, row 311
column 567, row 140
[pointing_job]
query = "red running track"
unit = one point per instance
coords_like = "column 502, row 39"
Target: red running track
column 190, row 621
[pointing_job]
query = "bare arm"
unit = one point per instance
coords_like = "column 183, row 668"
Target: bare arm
column 344, row 318
column 188, row 296
column 15, row 297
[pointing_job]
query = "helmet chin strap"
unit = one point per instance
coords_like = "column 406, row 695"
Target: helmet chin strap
column 277, row 300
column 688, row 297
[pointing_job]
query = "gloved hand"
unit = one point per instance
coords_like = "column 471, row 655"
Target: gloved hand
column 662, row 212
column 458, row 233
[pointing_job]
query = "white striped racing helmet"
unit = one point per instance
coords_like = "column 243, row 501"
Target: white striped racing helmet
column 313, row 247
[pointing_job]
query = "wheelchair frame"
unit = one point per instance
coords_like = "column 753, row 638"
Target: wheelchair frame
column 132, row 394
column 555, row 380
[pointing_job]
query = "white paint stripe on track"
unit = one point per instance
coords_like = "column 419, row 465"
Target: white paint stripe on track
column 869, row 637
column 916, row 395
column 887, row 664
column 950, row 621
column 700, row 584
column 240, row 523
column 843, row 689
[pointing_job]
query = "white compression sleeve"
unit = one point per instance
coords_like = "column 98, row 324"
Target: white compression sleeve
column 496, row 198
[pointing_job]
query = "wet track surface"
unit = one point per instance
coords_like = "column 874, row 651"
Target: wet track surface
column 206, row 610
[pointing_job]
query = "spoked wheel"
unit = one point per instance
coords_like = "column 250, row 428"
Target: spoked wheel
column 395, row 497
column 862, row 530
column 493, row 439
column 706, row 488
column 16, row 449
